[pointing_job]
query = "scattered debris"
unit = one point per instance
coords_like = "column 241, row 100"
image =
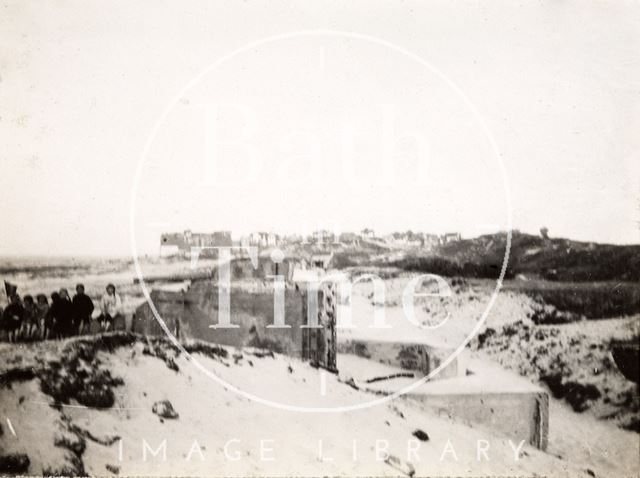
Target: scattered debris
column 71, row 441
column 400, row 465
column 352, row 383
column 260, row 353
column 210, row 350
column 392, row 376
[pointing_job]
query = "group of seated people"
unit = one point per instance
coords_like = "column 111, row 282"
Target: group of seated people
column 39, row 319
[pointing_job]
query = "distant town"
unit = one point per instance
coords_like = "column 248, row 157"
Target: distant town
column 183, row 242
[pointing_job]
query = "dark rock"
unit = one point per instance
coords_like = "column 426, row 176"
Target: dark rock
column 14, row 463
column 164, row 409
column 112, row 468
column 420, row 435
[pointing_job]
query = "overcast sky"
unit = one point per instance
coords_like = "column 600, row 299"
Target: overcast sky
column 84, row 83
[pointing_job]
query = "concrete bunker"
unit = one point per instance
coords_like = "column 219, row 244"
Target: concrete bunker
column 192, row 313
column 479, row 395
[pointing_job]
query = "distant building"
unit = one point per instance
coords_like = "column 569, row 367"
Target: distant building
column 322, row 236
column 263, row 239
column 451, row 237
column 367, row 233
column 404, row 239
column 349, row 239
column 186, row 240
column 430, row 240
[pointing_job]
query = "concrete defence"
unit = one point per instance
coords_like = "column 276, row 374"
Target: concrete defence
column 192, row 313
column 419, row 357
column 492, row 398
column 516, row 415
column 476, row 392
column 487, row 397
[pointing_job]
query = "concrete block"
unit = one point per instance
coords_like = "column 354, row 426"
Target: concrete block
column 516, row 415
column 419, row 357
column 487, row 397
column 195, row 311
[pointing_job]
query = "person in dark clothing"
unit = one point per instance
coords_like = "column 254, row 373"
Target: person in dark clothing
column 82, row 310
column 30, row 319
column 50, row 317
column 62, row 313
column 12, row 318
column 65, row 314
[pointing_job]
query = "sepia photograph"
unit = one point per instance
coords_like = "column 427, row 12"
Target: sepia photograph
column 291, row 238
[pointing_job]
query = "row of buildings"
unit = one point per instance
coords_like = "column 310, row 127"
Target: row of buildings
column 185, row 241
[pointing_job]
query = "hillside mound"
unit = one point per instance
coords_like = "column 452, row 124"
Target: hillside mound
column 531, row 256
column 120, row 404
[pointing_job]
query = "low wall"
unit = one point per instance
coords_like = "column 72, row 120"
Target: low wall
column 516, row 415
column 191, row 313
